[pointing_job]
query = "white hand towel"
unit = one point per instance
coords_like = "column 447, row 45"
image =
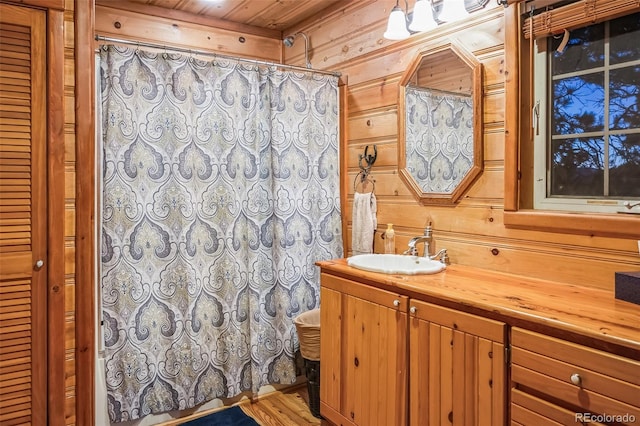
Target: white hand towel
column 363, row 222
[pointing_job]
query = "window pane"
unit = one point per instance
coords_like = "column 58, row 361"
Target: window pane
column 585, row 50
column 624, row 92
column 624, row 164
column 594, row 148
column 577, row 167
column 624, row 44
column 578, row 104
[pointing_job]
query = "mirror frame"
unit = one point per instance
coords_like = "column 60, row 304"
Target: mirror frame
column 440, row 198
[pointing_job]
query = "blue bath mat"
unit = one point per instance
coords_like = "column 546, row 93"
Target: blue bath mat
column 233, row 416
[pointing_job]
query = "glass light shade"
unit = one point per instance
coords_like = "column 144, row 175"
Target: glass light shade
column 397, row 25
column 422, row 17
column 452, row 10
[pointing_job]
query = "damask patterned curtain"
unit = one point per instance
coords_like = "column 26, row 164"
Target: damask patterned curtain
column 220, row 192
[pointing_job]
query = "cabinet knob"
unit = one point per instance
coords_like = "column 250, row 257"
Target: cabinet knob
column 413, row 309
column 396, row 303
column 576, row 379
column 39, row 264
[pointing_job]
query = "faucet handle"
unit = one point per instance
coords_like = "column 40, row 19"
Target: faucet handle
column 411, row 251
column 444, row 258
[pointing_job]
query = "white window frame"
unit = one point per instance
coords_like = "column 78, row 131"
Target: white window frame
column 541, row 123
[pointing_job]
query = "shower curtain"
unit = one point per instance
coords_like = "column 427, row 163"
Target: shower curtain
column 220, row 192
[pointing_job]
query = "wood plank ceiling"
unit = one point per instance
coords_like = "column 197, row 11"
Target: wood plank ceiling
column 275, row 15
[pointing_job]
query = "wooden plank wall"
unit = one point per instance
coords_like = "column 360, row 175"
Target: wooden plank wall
column 350, row 40
column 129, row 25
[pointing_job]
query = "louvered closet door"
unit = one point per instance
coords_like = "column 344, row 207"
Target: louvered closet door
column 23, row 233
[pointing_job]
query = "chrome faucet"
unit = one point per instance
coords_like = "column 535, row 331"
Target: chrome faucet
column 427, row 240
column 413, row 251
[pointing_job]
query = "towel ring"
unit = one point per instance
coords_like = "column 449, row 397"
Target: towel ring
column 364, row 180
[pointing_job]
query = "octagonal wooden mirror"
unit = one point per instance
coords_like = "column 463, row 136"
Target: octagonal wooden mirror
column 440, row 151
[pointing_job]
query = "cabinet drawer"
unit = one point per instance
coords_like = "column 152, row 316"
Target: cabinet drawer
column 457, row 320
column 365, row 292
column 582, row 377
column 528, row 410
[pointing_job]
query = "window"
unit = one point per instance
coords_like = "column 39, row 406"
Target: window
column 587, row 118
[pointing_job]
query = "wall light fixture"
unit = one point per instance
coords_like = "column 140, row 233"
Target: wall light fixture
column 397, row 25
column 422, row 17
column 452, row 10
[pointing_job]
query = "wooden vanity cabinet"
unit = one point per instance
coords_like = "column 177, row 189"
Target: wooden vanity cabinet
column 363, row 352
column 556, row 382
column 457, row 367
column 389, row 357
column 373, row 351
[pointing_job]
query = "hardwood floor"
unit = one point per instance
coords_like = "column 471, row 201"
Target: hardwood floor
column 281, row 408
column 289, row 408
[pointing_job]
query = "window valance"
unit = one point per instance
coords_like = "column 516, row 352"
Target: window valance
column 575, row 15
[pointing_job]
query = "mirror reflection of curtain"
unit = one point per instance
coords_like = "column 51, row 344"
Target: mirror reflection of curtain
column 220, row 192
column 439, row 138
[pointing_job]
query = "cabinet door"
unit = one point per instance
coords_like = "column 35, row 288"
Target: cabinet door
column 330, row 349
column 457, row 368
column 23, row 232
column 372, row 351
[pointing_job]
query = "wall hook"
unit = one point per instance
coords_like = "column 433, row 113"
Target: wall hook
column 369, row 159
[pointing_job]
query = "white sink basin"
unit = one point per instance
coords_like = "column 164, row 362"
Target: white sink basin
column 395, row 264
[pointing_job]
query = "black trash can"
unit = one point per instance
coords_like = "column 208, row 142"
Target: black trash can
column 308, row 328
column 312, row 371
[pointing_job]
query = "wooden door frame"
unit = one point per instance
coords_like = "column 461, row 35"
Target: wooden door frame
column 56, row 219
column 85, row 211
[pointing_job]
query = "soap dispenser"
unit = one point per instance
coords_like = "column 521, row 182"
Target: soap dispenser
column 390, row 239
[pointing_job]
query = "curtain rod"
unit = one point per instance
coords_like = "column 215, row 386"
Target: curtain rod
column 215, row 55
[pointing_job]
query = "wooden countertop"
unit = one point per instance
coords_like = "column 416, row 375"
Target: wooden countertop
column 581, row 314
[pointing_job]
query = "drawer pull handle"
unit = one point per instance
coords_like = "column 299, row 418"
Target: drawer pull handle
column 576, row 379
column 396, row 303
